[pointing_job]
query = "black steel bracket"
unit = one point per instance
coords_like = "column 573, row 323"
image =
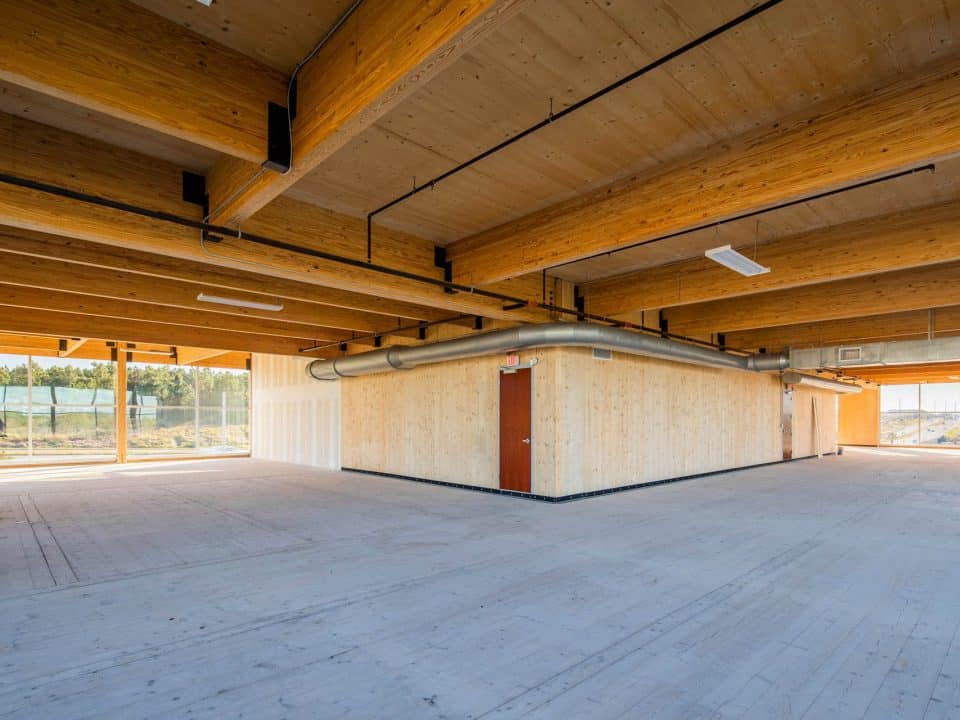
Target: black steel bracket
column 440, row 261
column 279, row 139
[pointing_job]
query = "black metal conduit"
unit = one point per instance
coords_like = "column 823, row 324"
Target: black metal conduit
column 930, row 167
column 220, row 230
column 552, row 117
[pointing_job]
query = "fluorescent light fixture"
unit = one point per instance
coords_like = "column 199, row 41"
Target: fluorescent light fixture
column 205, row 2
column 728, row 257
column 165, row 353
column 795, row 378
column 234, row 302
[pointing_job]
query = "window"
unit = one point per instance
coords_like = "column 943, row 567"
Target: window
column 922, row 414
column 65, row 410
column 56, row 409
column 186, row 411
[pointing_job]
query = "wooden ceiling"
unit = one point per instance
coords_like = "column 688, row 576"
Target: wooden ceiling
column 117, row 97
column 96, row 349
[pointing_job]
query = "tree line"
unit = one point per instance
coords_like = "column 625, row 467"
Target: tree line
column 170, row 384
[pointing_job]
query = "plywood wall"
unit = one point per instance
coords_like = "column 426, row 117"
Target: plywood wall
column 859, row 418
column 295, row 418
column 632, row 419
column 596, row 424
column 439, row 422
column 806, row 423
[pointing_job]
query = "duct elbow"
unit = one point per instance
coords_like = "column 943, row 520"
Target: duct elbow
column 322, row 370
column 768, row 363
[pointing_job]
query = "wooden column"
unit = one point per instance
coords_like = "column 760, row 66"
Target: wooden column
column 121, row 413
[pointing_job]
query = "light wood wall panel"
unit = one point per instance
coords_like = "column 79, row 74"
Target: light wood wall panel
column 441, row 422
column 858, row 421
column 806, row 424
column 295, row 418
column 596, row 424
column 633, row 420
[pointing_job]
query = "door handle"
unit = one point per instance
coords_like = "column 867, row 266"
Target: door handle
column 526, row 441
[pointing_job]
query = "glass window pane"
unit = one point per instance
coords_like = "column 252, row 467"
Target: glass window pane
column 13, row 408
column 62, row 432
column 940, row 410
column 224, row 408
column 160, row 417
column 169, row 417
column 73, row 409
column 899, row 415
column 73, row 381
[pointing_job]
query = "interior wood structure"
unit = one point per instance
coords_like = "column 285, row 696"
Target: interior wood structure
column 460, row 257
column 372, row 175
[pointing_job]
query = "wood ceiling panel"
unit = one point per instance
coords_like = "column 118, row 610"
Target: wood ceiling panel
column 276, row 32
column 792, row 56
column 904, row 193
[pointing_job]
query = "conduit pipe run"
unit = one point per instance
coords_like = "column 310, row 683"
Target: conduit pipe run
column 525, row 337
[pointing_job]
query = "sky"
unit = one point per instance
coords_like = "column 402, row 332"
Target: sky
column 934, row 397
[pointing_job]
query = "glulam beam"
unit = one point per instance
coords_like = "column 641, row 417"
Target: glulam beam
column 52, row 156
column 114, row 57
column 914, row 238
column 384, row 51
column 911, row 121
column 916, row 289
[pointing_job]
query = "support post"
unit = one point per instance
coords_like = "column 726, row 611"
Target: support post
column 120, row 415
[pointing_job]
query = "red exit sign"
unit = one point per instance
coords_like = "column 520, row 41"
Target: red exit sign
column 512, row 361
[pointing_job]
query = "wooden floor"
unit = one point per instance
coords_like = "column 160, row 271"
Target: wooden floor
column 239, row 588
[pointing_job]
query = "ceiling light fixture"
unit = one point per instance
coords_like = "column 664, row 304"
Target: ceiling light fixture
column 166, row 353
column 728, row 257
column 234, row 302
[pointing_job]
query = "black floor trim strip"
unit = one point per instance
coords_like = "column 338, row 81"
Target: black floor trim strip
column 573, row 496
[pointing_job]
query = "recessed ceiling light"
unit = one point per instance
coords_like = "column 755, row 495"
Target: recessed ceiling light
column 728, row 257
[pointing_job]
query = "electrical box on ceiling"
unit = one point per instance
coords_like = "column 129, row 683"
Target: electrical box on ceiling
column 602, row 354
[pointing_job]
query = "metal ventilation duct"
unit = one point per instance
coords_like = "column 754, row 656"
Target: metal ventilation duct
column 533, row 336
column 900, row 352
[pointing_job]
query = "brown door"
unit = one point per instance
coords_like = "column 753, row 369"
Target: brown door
column 515, row 440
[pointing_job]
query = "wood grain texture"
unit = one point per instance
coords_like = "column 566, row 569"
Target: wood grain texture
column 116, row 58
column 909, row 325
column 382, row 53
column 915, row 238
column 916, row 289
column 71, row 324
column 913, row 120
column 814, row 422
column 28, row 299
column 178, row 299
column 946, row 372
column 96, row 256
column 42, row 153
column 14, row 344
column 789, row 58
column 858, row 418
column 632, row 420
column 275, row 32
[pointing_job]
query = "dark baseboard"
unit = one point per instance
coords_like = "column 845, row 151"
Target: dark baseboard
column 573, row 496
